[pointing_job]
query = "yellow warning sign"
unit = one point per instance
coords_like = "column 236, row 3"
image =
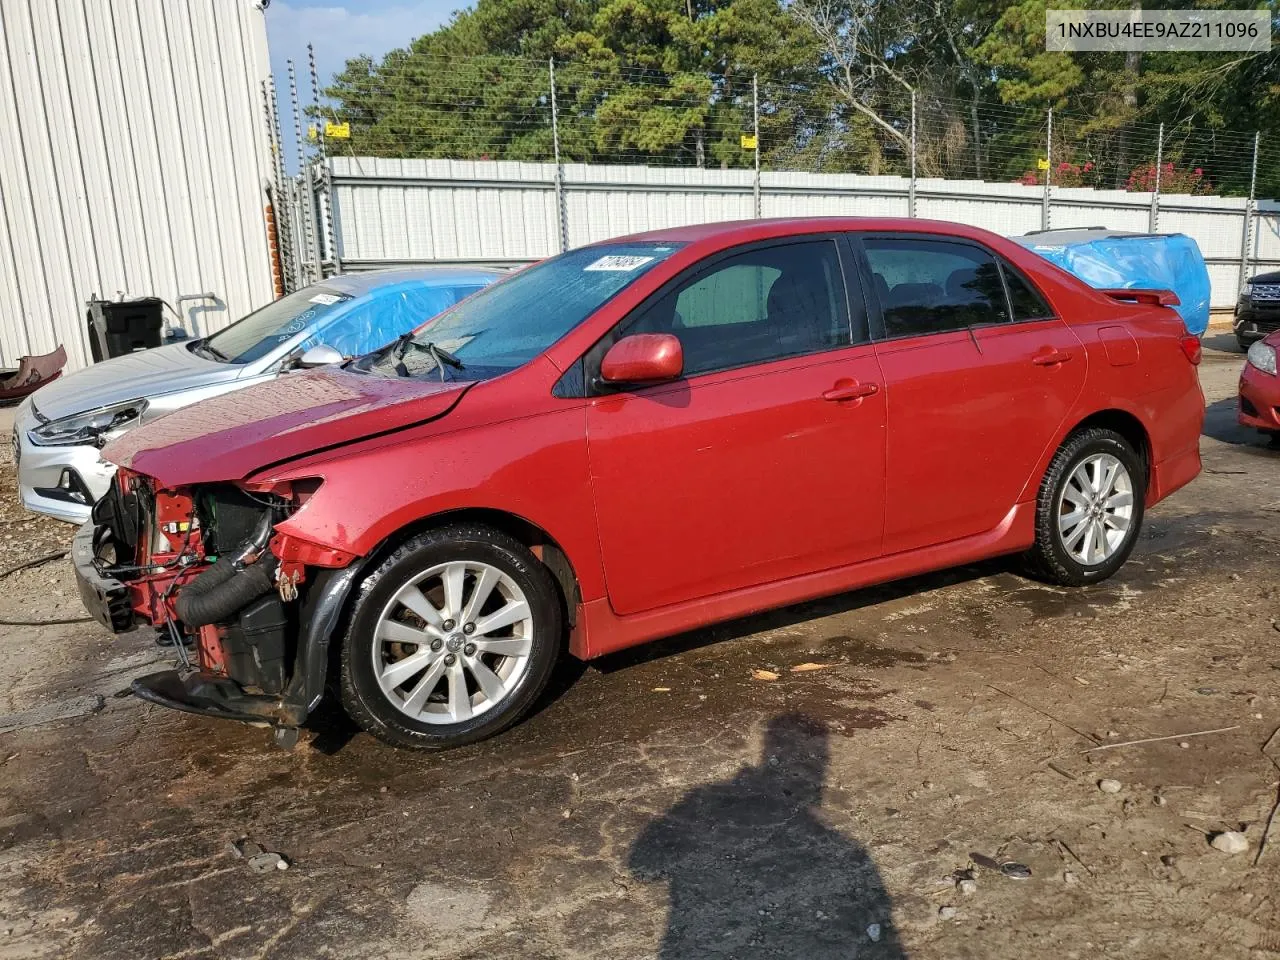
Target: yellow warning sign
column 1042, row 164
column 748, row 143
column 337, row 131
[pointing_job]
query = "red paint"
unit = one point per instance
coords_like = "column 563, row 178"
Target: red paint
column 643, row 358
column 228, row 437
column 213, row 659
column 700, row 499
column 1262, row 391
column 1122, row 349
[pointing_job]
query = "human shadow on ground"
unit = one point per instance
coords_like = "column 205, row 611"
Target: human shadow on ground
column 753, row 869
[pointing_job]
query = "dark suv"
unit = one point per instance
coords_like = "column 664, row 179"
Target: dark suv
column 1258, row 309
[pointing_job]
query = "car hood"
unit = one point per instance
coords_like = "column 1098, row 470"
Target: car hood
column 148, row 373
column 233, row 435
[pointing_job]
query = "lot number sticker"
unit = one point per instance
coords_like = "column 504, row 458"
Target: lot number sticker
column 328, row 299
column 618, row 264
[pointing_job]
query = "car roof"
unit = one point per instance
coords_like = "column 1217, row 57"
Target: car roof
column 364, row 282
column 727, row 232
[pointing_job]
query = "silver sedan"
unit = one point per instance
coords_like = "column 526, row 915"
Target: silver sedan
column 59, row 430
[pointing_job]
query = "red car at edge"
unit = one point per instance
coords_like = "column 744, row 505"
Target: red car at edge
column 630, row 440
column 1260, row 388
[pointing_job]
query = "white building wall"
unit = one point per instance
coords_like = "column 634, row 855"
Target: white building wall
column 133, row 163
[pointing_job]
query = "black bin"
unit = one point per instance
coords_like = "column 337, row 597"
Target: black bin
column 117, row 327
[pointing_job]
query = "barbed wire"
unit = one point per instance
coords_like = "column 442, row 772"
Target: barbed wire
column 499, row 108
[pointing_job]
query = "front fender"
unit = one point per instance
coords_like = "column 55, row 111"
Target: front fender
column 533, row 467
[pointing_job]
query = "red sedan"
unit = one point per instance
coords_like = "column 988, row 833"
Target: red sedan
column 1260, row 388
column 630, row 440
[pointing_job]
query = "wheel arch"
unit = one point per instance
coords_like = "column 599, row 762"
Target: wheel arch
column 1122, row 421
column 539, row 542
column 1127, row 425
column 535, row 538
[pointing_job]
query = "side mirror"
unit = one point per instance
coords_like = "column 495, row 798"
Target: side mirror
column 321, row 355
column 643, row 358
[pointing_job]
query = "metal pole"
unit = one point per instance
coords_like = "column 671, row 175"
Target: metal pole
column 279, row 190
column 297, row 237
column 911, row 186
column 1048, row 175
column 561, row 214
column 1246, row 238
column 1153, row 221
column 755, row 129
column 312, row 235
column 326, row 174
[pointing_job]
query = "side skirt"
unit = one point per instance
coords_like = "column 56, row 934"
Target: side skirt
column 602, row 631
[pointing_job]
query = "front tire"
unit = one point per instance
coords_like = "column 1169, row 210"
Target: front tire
column 1089, row 509
column 452, row 639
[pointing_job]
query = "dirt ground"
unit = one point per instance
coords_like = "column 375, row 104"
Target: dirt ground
column 669, row 803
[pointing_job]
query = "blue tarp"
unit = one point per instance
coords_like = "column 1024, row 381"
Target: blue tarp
column 374, row 321
column 1107, row 260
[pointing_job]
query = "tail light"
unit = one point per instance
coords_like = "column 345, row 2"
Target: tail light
column 1191, row 347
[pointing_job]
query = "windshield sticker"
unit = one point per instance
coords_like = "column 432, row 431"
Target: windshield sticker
column 618, row 264
column 328, row 299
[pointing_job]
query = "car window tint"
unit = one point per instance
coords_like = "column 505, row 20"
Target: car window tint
column 1025, row 299
column 931, row 286
column 757, row 306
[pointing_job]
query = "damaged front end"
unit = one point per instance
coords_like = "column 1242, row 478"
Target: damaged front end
column 248, row 609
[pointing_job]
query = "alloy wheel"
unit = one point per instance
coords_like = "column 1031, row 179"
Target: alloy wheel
column 1095, row 509
column 453, row 642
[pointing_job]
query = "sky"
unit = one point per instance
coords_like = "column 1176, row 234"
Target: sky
column 339, row 30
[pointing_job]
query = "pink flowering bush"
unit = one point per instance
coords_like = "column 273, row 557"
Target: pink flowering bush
column 1065, row 174
column 1172, row 179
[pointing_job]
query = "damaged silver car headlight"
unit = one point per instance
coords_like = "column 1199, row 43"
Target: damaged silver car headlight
column 90, row 426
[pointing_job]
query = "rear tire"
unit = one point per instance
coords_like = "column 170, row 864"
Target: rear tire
column 1089, row 509
column 452, row 639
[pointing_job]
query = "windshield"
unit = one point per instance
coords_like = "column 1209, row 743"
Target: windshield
column 263, row 330
column 509, row 323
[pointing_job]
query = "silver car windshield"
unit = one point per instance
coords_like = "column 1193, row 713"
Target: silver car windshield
column 256, row 335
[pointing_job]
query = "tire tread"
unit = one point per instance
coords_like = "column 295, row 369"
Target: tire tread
column 1041, row 561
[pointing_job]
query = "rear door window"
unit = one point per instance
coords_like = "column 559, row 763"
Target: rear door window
column 1024, row 299
column 931, row 286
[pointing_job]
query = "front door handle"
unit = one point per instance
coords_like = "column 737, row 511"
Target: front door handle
column 845, row 389
column 1050, row 357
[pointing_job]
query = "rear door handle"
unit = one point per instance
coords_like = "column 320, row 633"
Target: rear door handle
column 850, row 390
column 1050, row 357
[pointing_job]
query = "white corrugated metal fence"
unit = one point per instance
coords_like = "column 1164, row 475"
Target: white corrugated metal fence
column 133, row 163
column 503, row 212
